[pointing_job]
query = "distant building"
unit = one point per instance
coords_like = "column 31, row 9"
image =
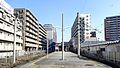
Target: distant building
column 51, row 33
column 112, row 28
column 84, row 21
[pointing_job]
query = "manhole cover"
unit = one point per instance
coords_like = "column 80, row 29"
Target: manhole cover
column 88, row 64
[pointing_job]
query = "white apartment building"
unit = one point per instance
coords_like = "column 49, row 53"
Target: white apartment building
column 87, row 25
column 7, row 21
column 33, row 33
column 84, row 21
column 30, row 29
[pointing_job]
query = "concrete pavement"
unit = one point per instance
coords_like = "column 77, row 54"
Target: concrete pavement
column 71, row 61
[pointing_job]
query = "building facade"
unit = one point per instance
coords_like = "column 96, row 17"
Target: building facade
column 83, row 20
column 51, row 33
column 7, row 27
column 42, row 37
column 112, row 28
column 32, row 32
column 29, row 29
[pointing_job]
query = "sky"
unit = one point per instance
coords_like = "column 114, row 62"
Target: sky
column 50, row 11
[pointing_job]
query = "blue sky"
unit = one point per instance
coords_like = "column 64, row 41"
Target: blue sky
column 49, row 12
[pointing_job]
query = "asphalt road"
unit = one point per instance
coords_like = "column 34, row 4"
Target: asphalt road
column 70, row 61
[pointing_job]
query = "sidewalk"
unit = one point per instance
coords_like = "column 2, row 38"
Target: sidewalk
column 70, row 61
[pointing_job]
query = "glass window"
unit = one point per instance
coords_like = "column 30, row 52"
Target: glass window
column 87, row 16
column 8, row 25
column 8, row 34
column 0, row 43
column 0, row 32
column 7, row 18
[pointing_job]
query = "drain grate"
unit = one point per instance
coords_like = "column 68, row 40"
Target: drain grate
column 89, row 65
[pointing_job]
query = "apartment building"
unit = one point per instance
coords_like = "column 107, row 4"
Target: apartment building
column 29, row 29
column 7, row 22
column 33, row 33
column 82, row 20
column 112, row 28
column 42, row 37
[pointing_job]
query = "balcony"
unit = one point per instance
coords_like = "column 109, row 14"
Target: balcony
column 32, row 40
column 32, row 21
column 31, row 45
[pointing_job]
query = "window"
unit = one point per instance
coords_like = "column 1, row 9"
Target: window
column 87, row 26
column 0, row 32
column 87, row 30
column 0, row 43
column 87, row 16
column 8, row 25
column 8, row 34
column 18, row 44
column 10, row 20
column 87, row 33
column 118, row 48
column 86, row 19
column 1, row 14
column 87, row 37
column 4, row 16
column 7, row 18
column 102, row 49
column 1, row 22
column 19, row 37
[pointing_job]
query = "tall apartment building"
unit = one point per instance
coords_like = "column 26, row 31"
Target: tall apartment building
column 42, row 37
column 7, row 21
column 29, row 29
column 83, row 20
column 51, row 33
column 112, row 28
column 33, row 33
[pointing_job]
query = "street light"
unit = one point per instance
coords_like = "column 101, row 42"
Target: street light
column 14, row 46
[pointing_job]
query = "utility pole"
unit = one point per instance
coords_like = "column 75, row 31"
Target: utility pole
column 62, row 40
column 78, row 22
column 47, row 47
column 14, row 46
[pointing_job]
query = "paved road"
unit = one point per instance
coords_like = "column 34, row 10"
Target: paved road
column 71, row 61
